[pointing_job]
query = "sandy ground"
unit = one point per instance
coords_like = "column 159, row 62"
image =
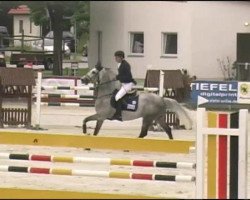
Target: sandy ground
column 69, row 120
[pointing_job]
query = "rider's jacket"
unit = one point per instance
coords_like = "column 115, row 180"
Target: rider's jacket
column 124, row 73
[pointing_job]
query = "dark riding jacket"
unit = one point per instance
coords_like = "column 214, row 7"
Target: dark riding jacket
column 124, row 73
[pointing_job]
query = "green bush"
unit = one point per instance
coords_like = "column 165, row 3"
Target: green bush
column 19, row 48
column 82, row 42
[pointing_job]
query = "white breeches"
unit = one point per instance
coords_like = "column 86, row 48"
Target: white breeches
column 126, row 87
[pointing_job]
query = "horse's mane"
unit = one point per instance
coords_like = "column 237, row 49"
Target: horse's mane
column 107, row 74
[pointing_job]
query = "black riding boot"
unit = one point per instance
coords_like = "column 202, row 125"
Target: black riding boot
column 118, row 113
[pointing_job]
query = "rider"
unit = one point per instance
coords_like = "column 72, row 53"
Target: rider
column 126, row 79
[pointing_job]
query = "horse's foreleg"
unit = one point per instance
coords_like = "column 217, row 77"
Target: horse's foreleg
column 145, row 125
column 98, row 126
column 87, row 119
column 166, row 128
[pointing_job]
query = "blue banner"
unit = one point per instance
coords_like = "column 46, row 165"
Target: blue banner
column 215, row 91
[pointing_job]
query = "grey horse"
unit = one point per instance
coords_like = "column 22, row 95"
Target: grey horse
column 151, row 107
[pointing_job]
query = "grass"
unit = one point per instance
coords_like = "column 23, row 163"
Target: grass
column 66, row 72
column 19, row 48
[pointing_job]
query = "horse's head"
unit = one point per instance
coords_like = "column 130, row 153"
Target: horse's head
column 92, row 75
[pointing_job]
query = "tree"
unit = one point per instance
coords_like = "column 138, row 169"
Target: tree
column 82, row 17
column 55, row 11
column 5, row 6
column 43, row 12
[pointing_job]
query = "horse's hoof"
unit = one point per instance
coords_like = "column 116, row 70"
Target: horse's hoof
column 84, row 129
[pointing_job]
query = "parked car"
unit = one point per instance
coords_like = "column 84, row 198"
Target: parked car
column 4, row 33
column 49, row 46
column 68, row 38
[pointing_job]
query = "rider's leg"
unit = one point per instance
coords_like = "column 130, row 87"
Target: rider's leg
column 120, row 93
column 118, row 100
column 126, row 87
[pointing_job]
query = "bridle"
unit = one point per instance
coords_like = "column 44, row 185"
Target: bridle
column 97, row 84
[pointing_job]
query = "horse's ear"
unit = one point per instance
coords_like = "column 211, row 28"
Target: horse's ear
column 99, row 66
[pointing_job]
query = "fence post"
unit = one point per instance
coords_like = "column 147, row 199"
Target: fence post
column 243, row 153
column 43, row 44
column 22, row 42
column 161, row 84
column 236, row 131
column 200, row 143
column 38, row 98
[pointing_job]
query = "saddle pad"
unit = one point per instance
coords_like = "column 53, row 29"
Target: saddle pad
column 130, row 103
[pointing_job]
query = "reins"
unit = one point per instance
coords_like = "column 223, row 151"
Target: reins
column 100, row 84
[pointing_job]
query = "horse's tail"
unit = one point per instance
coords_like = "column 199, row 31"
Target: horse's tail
column 182, row 115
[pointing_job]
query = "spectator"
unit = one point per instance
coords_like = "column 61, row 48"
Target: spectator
column 138, row 47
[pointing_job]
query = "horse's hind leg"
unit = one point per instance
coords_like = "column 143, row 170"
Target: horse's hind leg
column 145, row 126
column 166, row 128
column 98, row 126
column 87, row 119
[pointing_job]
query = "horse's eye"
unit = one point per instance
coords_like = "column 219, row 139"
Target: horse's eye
column 93, row 72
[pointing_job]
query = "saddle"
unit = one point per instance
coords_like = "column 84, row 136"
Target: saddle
column 129, row 101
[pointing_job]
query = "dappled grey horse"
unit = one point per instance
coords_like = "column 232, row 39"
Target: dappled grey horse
column 151, row 107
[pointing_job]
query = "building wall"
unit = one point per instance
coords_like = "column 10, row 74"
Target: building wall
column 153, row 18
column 214, row 26
column 26, row 27
column 106, row 17
column 206, row 32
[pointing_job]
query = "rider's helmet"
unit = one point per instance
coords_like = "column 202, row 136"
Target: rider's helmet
column 120, row 54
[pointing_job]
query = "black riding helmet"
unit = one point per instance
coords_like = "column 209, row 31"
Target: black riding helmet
column 120, row 54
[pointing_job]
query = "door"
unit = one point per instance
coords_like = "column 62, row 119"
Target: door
column 243, row 47
column 243, row 56
column 99, row 48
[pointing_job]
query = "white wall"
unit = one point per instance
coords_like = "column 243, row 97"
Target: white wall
column 26, row 27
column 107, row 17
column 153, row 18
column 214, row 28
column 206, row 31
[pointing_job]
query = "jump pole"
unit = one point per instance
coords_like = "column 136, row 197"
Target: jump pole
column 109, row 161
column 96, row 142
column 92, row 173
column 14, row 193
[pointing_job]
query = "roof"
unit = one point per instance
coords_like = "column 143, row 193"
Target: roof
column 172, row 79
column 20, row 10
column 17, row 76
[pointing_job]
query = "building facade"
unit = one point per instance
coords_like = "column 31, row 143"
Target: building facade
column 22, row 21
column 190, row 35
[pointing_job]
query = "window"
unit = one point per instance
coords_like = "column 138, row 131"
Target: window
column 20, row 26
column 170, row 41
column 137, row 43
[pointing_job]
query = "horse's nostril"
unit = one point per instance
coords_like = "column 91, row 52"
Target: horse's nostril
column 84, row 80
